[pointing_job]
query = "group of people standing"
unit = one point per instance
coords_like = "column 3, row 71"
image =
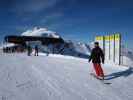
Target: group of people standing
column 29, row 49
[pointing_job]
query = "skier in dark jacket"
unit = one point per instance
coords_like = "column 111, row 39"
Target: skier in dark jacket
column 29, row 49
column 36, row 50
column 97, row 56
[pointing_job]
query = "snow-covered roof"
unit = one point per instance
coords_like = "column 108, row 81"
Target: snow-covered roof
column 43, row 32
column 7, row 45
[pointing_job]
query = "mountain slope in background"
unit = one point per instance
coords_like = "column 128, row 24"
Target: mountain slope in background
column 126, row 57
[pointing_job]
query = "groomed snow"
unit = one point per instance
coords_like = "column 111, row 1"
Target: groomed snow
column 60, row 78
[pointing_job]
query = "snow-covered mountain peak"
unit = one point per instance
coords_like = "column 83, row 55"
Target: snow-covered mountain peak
column 43, row 32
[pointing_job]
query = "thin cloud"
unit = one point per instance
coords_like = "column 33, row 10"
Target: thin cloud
column 31, row 6
column 52, row 17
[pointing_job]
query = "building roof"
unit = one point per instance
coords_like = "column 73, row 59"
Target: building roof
column 24, row 39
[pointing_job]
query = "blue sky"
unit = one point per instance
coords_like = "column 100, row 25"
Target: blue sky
column 78, row 20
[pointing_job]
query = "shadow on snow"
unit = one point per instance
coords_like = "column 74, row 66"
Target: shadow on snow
column 125, row 73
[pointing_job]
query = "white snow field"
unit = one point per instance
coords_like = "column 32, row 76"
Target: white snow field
column 60, row 78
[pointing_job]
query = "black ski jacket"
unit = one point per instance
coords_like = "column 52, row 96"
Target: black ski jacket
column 97, row 55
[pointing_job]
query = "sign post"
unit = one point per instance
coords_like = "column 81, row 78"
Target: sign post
column 117, row 48
column 107, row 48
column 112, row 48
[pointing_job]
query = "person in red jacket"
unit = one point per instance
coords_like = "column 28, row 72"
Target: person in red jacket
column 97, row 56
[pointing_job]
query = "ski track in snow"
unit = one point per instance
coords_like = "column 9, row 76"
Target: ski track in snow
column 59, row 78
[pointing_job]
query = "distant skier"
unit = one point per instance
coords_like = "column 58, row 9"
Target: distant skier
column 29, row 49
column 36, row 50
column 97, row 56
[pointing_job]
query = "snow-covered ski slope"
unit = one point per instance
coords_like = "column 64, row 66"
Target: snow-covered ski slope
column 60, row 78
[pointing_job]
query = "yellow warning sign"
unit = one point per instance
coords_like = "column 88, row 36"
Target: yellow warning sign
column 117, row 37
column 107, row 38
column 99, row 38
column 112, row 37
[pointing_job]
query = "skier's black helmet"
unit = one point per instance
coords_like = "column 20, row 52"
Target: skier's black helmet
column 96, row 43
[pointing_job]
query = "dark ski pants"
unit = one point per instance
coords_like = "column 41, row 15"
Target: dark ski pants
column 36, row 53
column 98, row 69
